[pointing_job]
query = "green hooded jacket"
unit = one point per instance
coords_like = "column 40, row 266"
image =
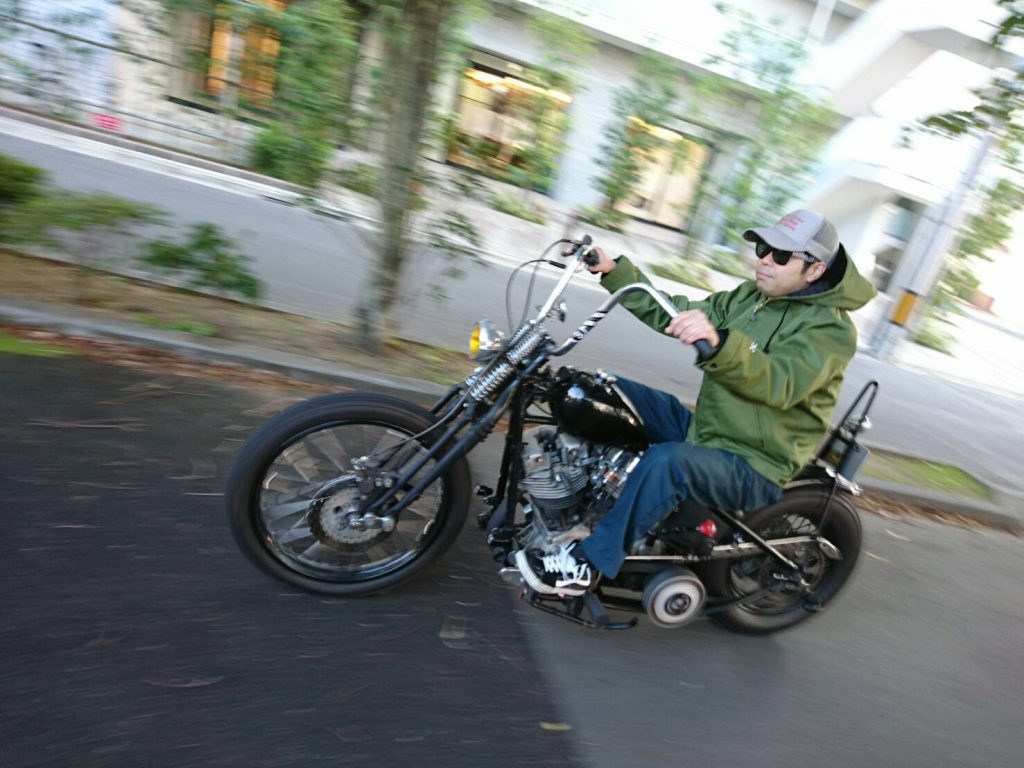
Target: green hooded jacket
column 769, row 391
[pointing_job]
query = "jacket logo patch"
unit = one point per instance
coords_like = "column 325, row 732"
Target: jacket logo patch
column 753, row 347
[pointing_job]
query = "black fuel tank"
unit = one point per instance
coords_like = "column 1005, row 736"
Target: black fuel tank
column 588, row 407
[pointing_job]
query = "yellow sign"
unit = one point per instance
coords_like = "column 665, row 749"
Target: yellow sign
column 903, row 308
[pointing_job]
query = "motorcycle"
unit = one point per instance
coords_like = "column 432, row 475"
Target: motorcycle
column 354, row 493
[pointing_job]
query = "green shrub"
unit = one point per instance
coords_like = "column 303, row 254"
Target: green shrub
column 605, row 219
column 927, row 335
column 685, row 272
column 289, row 157
column 83, row 225
column 208, row 258
column 19, row 182
column 486, row 149
column 514, row 205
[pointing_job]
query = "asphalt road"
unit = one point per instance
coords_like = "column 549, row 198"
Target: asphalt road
column 318, row 266
column 134, row 633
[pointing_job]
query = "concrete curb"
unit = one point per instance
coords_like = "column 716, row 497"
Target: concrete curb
column 251, row 356
column 990, row 513
column 308, row 369
column 123, row 142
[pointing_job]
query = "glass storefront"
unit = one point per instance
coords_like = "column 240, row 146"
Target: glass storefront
column 670, row 177
column 507, row 124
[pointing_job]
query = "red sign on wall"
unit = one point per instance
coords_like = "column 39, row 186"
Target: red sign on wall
column 107, row 122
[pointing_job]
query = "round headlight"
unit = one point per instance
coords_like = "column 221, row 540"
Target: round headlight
column 474, row 342
column 485, row 342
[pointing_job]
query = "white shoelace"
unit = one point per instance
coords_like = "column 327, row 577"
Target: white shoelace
column 569, row 569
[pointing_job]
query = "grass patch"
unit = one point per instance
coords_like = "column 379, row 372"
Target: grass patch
column 160, row 306
column 943, row 478
column 423, row 361
column 12, row 345
column 186, row 326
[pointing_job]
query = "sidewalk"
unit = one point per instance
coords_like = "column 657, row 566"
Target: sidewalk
column 306, row 369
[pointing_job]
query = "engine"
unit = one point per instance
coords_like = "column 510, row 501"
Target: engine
column 570, row 484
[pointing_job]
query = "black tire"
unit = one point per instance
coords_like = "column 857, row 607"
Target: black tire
column 797, row 512
column 300, row 454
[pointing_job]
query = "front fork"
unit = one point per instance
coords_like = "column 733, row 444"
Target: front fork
column 481, row 427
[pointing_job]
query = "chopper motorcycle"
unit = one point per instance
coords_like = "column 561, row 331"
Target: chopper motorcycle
column 355, row 493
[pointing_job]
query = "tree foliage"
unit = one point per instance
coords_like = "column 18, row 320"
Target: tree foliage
column 319, row 44
column 564, row 46
column 1000, row 103
column 788, row 122
column 998, row 112
column 649, row 101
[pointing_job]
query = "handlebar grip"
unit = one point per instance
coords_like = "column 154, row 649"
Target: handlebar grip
column 704, row 348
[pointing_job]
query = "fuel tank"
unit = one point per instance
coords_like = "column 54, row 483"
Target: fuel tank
column 591, row 407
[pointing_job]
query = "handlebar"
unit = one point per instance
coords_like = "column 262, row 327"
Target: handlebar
column 582, row 251
column 702, row 346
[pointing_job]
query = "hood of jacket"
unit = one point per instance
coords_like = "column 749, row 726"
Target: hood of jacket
column 842, row 286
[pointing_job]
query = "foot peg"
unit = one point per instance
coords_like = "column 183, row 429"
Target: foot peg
column 572, row 609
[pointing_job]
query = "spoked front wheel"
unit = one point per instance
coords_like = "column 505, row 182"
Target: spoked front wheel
column 783, row 603
column 299, row 492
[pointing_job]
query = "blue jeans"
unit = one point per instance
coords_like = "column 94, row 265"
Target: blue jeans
column 669, row 472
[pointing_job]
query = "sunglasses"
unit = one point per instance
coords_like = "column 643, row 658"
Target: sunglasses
column 780, row 257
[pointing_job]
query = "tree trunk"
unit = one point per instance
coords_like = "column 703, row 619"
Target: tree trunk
column 229, row 103
column 412, row 33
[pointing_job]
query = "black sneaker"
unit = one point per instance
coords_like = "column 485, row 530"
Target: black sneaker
column 557, row 574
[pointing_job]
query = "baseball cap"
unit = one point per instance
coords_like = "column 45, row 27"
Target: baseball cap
column 802, row 230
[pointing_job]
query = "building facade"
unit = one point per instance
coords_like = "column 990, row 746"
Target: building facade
column 203, row 87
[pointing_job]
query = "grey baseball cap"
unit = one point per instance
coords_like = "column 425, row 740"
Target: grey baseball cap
column 803, row 230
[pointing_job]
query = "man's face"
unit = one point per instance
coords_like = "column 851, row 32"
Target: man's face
column 775, row 280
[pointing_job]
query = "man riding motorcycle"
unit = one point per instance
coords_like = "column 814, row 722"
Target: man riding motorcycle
column 780, row 346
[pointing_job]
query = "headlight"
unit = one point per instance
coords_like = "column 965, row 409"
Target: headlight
column 485, row 342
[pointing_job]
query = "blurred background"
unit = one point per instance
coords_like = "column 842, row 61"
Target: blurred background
column 670, row 126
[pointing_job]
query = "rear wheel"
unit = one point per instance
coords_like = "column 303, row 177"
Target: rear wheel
column 798, row 513
column 297, row 503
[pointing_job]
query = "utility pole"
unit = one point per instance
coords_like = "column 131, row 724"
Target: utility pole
column 923, row 260
column 924, row 257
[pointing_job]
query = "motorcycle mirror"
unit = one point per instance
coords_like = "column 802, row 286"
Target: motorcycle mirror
column 559, row 311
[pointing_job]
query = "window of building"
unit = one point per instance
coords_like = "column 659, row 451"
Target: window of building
column 671, row 173
column 508, row 124
column 214, row 47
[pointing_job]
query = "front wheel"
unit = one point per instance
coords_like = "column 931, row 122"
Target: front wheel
column 798, row 513
column 296, row 500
